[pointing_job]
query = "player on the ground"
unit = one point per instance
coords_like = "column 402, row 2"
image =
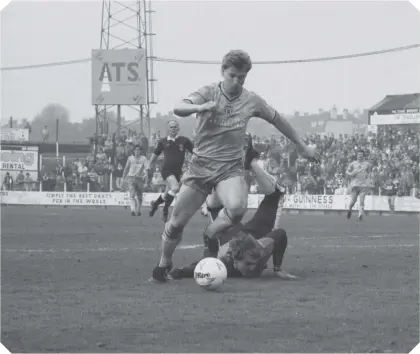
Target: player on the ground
column 223, row 111
column 359, row 172
column 174, row 148
column 135, row 175
column 251, row 245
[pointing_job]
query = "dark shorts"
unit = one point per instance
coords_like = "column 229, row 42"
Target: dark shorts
column 166, row 173
column 204, row 174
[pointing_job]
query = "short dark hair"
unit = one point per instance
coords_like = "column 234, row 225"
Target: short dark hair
column 238, row 59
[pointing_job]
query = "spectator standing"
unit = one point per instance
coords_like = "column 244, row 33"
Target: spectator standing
column 118, row 176
column 28, row 182
column 20, row 180
column 45, row 134
column 8, row 182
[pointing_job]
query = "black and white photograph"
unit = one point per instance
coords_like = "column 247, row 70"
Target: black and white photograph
column 209, row 176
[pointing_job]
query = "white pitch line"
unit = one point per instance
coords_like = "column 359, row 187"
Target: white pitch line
column 187, row 247
column 365, row 237
column 369, row 246
column 100, row 249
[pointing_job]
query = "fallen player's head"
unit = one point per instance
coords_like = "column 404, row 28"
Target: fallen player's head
column 235, row 67
column 248, row 259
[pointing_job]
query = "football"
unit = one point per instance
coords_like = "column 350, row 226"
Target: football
column 210, row 273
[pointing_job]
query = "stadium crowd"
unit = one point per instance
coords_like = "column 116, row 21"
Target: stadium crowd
column 393, row 152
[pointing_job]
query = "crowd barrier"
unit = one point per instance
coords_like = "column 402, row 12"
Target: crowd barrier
column 292, row 202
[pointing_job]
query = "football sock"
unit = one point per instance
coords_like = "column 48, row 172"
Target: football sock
column 159, row 201
column 171, row 238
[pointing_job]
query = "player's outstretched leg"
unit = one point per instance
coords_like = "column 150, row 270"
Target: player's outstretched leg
column 233, row 194
column 188, row 202
column 354, row 194
column 214, row 205
column 213, row 208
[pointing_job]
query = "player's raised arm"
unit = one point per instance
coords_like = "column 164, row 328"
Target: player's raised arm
column 197, row 102
column 269, row 114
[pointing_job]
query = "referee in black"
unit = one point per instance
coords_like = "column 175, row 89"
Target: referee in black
column 173, row 147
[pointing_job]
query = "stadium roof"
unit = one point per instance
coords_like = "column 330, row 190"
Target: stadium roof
column 397, row 102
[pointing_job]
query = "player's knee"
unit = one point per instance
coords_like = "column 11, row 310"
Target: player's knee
column 279, row 236
column 179, row 217
column 172, row 233
column 236, row 214
column 174, row 189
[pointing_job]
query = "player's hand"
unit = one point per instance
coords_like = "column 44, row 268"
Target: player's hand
column 311, row 154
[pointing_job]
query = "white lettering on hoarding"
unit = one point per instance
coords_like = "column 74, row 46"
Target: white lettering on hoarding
column 300, row 202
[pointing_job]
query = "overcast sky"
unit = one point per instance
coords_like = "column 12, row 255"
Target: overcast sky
column 40, row 32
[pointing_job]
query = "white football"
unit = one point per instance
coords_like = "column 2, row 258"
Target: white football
column 210, row 273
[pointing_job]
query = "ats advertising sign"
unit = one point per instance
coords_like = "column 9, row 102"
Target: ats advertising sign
column 119, row 77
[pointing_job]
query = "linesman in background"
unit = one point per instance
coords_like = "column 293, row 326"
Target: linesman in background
column 174, row 148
